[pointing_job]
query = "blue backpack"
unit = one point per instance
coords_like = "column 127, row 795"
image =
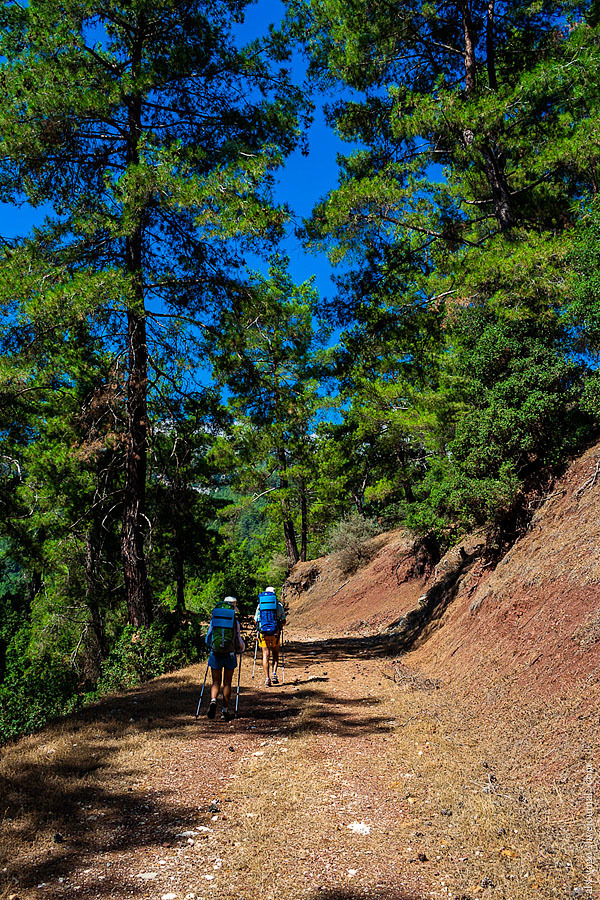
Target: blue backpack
column 267, row 605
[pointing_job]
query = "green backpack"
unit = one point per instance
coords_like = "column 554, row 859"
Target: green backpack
column 221, row 634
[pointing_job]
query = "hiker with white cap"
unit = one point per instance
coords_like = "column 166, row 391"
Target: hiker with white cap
column 269, row 618
column 224, row 639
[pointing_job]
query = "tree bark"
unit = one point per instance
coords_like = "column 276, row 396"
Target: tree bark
column 304, row 521
column 179, row 579
column 469, row 51
column 289, row 532
column 92, row 555
column 134, row 507
column 493, row 162
column 490, row 46
column 134, row 522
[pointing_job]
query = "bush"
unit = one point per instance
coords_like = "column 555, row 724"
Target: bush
column 349, row 540
column 143, row 653
column 34, row 691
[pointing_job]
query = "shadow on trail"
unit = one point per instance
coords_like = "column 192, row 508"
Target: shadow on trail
column 70, row 779
column 343, row 648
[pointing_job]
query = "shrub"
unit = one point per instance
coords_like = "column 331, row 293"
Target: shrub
column 34, row 691
column 143, row 653
column 349, row 540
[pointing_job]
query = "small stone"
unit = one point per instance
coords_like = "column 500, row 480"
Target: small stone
column 359, row 828
column 214, row 806
column 445, row 812
column 169, row 897
column 422, row 857
column 147, row 876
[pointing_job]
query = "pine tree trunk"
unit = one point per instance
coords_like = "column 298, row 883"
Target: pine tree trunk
column 137, row 591
column 289, row 532
column 304, row 520
column 493, row 162
column 179, row 580
column 92, row 595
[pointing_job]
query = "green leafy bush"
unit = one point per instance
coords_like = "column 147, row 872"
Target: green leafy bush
column 34, row 691
column 349, row 541
column 143, row 653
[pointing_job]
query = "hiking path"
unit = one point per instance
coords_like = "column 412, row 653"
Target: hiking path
column 357, row 778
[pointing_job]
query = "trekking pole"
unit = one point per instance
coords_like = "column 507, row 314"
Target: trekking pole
column 202, row 692
column 237, row 695
column 282, row 659
column 255, row 652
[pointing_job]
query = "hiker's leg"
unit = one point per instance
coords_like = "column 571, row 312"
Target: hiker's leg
column 216, row 683
column 227, row 677
column 275, row 654
column 265, row 652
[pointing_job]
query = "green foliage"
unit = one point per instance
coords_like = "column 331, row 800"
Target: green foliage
column 349, row 541
column 271, row 359
column 452, row 225
column 35, row 688
column 583, row 311
column 140, row 654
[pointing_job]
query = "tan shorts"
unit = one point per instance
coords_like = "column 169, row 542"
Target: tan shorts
column 270, row 641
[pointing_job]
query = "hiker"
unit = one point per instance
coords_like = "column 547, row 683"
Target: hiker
column 223, row 643
column 269, row 626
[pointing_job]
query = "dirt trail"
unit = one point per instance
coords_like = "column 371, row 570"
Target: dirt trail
column 355, row 779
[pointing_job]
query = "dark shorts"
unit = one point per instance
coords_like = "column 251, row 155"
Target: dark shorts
column 222, row 660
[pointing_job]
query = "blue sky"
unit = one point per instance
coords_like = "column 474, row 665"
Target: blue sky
column 303, row 180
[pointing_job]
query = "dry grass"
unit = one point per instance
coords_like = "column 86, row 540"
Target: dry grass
column 588, row 633
column 495, row 838
column 447, row 808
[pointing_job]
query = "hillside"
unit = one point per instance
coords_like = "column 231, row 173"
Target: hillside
column 518, row 643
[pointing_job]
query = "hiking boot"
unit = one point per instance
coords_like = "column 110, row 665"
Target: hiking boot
column 226, row 715
column 212, row 709
column 274, row 678
column 267, row 682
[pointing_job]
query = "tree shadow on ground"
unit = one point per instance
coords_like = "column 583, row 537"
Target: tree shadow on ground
column 386, row 892
column 66, row 778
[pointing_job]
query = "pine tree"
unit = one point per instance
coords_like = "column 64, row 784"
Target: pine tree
column 271, row 364
column 475, row 130
column 153, row 137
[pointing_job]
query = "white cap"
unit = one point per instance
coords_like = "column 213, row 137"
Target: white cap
column 231, row 600
column 270, row 590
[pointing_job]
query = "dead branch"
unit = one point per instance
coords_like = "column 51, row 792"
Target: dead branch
column 340, row 587
column 591, row 481
column 544, row 499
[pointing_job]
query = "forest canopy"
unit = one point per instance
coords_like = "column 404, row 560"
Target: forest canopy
column 181, row 418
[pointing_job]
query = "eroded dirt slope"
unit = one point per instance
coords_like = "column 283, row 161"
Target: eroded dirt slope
column 518, row 644
column 464, row 768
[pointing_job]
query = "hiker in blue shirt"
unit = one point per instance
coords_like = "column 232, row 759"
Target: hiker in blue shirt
column 223, row 665
column 270, row 644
